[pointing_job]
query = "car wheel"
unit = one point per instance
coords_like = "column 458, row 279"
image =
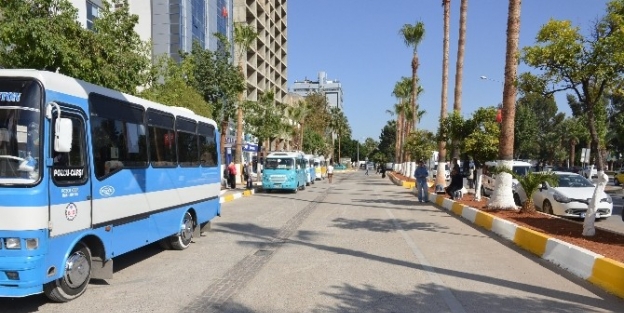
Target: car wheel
column 547, row 207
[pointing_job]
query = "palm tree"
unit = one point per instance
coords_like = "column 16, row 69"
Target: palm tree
column 413, row 36
column 440, row 178
column 339, row 125
column 402, row 91
column 459, row 69
column 244, row 37
column 298, row 114
column 502, row 197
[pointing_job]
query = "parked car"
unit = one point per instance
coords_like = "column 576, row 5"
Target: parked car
column 447, row 171
column 570, row 198
column 618, row 179
column 489, row 178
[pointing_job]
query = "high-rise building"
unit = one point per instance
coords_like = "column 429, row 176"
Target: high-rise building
column 171, row 25
column 331, row 88
column 265, row 62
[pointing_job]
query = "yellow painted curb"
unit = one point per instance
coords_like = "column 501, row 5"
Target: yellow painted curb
column 247, row 193
column 485, row 220
column 608, row 274
column 457, row 208
column 228, row 198
column 408, row 184
column 531, row 240
column 439, row 200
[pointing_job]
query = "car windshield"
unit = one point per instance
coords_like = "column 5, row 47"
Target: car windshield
column 573, row 181
column 521, row 170
column 279, row 163
column 20, row 115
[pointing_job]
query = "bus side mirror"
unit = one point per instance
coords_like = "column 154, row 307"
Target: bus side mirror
column 63, row 135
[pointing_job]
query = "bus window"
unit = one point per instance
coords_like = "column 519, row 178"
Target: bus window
column 162, row 139
column 207, row 145
column 188, row 150
column 69, row 168
column 118, row 135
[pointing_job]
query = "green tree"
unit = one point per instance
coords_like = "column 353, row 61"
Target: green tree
column 421, row 144
column 412, row 37
column 172, row 87
column 112, row 55
column 218, row 81
column 314, row 143
column 482, row 142
column 387, row 140
column 588, row 66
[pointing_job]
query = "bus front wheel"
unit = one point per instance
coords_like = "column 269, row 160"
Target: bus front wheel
column 76, row 276
column 182, row 239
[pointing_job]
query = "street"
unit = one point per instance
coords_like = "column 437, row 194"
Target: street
column 360, row 244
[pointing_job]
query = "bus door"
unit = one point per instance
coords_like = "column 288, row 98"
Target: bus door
column 70, row 189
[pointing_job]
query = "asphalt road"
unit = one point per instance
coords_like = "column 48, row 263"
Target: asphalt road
column 359, row 245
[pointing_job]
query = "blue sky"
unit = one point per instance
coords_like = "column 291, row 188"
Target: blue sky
column 358, row 43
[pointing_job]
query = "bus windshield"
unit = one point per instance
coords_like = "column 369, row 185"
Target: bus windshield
column 279, row 163
column 20, row 120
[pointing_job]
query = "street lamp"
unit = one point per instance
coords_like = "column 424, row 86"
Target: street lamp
column 486, row 78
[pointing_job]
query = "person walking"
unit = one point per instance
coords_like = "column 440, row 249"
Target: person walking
column 366, row 170
column 330, row 171
column 470, row 178
column 421, row 175
column 249, row 179
column 232, row 172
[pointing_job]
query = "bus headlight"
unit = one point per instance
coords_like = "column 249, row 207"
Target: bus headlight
column 32, row 243
column 12, row 243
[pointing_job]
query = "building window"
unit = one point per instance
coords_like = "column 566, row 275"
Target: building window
column 93, row 12
column 222, row 17
column 198, row 16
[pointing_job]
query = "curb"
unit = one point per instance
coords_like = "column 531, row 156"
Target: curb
column 604, row 272
column 237, row 195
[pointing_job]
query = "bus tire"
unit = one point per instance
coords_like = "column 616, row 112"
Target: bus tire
column 183, row 238
column 165, row 243
column 76, row 276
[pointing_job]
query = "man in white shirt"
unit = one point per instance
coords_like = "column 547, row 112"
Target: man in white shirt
column 330, row 172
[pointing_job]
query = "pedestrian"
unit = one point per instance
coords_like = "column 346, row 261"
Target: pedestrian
column 245, row 173
column 226, row 177
column 382, row 169
column 366, row 170
column 330, row 171
column 421, row 173
column 232, row 172
column 470, row 178
column 249, row 177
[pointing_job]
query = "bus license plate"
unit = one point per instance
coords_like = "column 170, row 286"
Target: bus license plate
column 278, row 185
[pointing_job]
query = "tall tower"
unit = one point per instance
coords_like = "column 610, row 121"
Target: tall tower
column 265, row 62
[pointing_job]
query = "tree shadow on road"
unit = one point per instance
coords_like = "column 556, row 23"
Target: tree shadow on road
column 431, row 298
column 385, row 225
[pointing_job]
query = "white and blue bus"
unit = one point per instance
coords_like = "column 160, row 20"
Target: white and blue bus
column 284, row 171
column 310, row 170
column 88, row 174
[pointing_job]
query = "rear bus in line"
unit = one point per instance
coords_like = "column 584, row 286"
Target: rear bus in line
column 87, row 174
column 284, row 171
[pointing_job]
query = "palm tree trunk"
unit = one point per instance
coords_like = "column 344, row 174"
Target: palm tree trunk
column 440, row 179
column 502, row 197
column 415, row 64
column 459, row 69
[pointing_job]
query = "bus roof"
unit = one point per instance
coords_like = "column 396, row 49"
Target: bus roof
column 285, row 155
column 78, row 88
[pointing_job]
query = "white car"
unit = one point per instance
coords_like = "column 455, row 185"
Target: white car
column 447, row 171
column 571, row 197
column 489, row 178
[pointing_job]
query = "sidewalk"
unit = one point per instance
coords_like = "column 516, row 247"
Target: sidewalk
column 228, row 195
column 595, row 268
